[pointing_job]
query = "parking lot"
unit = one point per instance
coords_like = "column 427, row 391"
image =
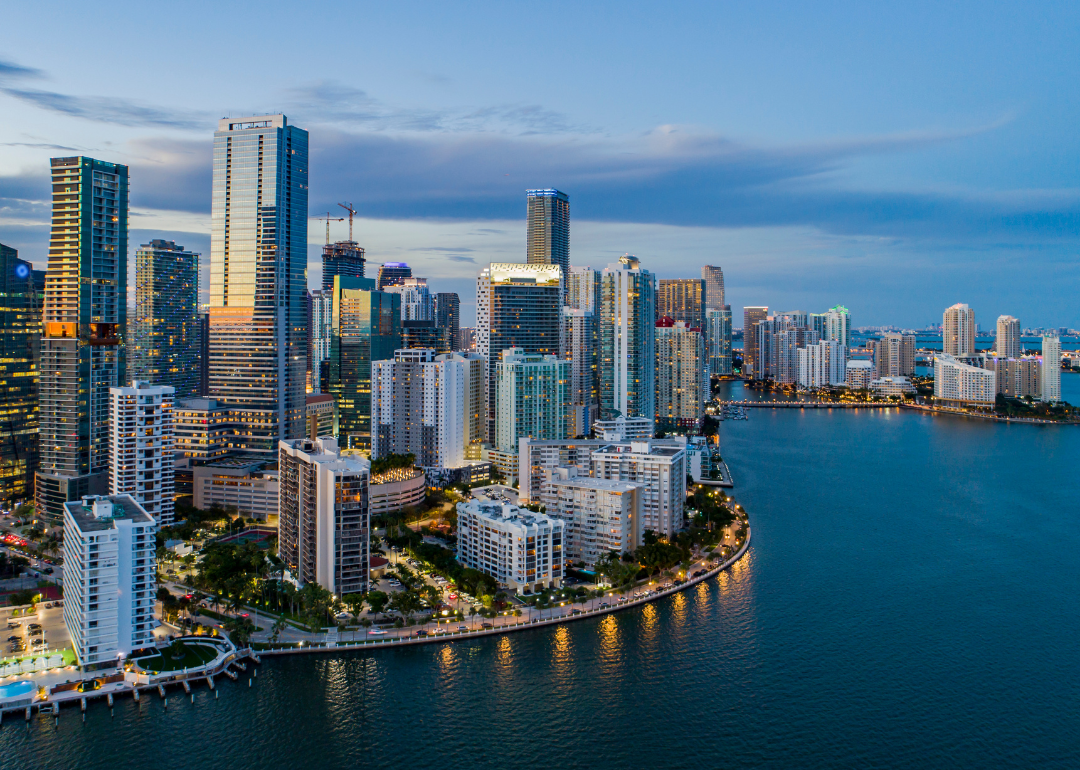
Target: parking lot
column 50, row 621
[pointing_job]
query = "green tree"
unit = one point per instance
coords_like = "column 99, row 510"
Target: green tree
column 377, row 600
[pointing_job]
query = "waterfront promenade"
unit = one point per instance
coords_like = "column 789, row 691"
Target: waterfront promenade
column 502, row 624
column 809, row 404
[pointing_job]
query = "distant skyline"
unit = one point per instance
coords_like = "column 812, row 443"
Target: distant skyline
column 896, row 160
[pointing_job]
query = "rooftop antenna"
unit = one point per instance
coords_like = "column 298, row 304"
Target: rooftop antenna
column 330, row 219
column 349, row 207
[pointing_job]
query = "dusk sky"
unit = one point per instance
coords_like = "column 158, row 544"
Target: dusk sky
column 894, row 158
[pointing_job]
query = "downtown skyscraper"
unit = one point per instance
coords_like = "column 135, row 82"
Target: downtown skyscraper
column 517, row 306
column 82, row 345
column 714, row 287
column 258, row 279
column 164, row 343
column 549, row 229
column 21, row 289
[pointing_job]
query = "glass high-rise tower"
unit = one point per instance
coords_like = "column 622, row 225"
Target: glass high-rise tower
column 164, row 341
column 21, row 289
column 366, row 327
column 258, row 279
column 627, row 340
column 82, row 345
column 714, row 287
column 549, row 228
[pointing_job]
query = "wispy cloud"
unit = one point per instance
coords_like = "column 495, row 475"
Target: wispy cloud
column 10, row 70
column 110, row 109
column 331, row 102
column 39, row 146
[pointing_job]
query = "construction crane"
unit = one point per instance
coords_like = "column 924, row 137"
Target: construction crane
column 349, row 207
column 330, row 219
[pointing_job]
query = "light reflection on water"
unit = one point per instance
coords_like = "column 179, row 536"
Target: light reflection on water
column 906, row 606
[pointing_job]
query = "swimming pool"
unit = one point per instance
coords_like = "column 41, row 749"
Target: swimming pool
column 16, row 689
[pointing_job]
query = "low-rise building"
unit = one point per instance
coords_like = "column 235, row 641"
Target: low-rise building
column 242, row 483
column 961, row 384
column 110, row 578
column 396, row 489
column 601, row 515
column 323, row 515
column 522, row 550
column 891, row 386
column 859, row 374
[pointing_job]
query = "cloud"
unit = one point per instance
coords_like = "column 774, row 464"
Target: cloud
column 39, row 146
column 330, row 102
column 110, row 109
column 11, row 70
column 460, row 258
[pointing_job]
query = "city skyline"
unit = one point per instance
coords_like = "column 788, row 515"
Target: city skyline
column 807, row 193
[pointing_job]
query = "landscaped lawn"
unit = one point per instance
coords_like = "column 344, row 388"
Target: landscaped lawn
column 194, row 655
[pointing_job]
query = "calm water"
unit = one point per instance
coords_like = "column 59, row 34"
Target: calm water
column 909, row 602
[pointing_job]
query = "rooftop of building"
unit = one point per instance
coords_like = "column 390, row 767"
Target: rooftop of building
column 506, row 512
column 96, row 513
column 319, row 398
column 642, row 448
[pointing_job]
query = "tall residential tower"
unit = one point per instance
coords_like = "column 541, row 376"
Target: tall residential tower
column 82, row 348
column 165, row 344
column 549, row 228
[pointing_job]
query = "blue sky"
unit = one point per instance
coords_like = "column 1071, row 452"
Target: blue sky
column 895, row 158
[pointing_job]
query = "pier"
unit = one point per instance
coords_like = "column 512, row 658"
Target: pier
column 809, row 404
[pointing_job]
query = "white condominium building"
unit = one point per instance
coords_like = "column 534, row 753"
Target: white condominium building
column 141, row 462
column 894, row 355
column 1007, row 344
column 624, row 429
column 1051, row 368
column 537, row 458
column 660, row 468
column 959, row 384
column 958, row 331
column 323, row 516
column 892, row 386
column 109, row 577
column 681, row 381
column 418, row 407
column 416, row 300
column 600, row 515
column 520, row 549
column 858, row 374
column 822, row 364
column 837, row 325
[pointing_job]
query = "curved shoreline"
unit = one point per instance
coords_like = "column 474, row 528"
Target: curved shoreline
column 452, row 636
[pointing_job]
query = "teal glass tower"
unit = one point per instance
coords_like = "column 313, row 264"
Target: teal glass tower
column 366, row 327
column 258, row 280
column 82, row 345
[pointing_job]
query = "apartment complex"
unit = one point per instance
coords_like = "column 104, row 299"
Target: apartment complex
column 109, row 578
column 601, row 515
column 1007, row 343
column 548, row 214
column 715, row 298
column 661, row 468
column 681, row 299
column 165, row 334
column 82, row 351
column 681, row 384
column 894, row 355
column 958, row 331
column 960, row 384
column 580, row 344
column 531, row 398
column 718, row 340
column 323, row 517
column 627, row 340
column 419, row 407
column 141, row 457
column 522, row 550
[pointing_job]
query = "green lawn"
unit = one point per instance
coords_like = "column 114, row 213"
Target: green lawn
column 194, row 655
